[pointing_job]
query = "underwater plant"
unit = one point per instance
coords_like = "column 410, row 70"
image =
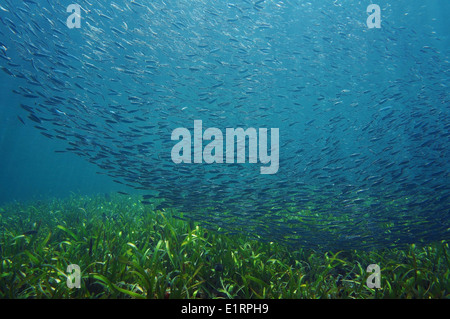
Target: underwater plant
column 128, row 250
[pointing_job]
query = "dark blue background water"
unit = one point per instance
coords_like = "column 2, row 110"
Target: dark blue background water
column 29, row 168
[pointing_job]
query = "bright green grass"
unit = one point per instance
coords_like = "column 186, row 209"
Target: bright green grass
column 127, row 250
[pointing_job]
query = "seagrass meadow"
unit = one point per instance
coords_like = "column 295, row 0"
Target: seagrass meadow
column 128, row 250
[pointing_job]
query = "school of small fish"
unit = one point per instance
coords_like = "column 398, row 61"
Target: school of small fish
column 363, row 114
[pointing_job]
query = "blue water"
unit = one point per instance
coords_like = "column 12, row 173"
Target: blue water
column 363, row 113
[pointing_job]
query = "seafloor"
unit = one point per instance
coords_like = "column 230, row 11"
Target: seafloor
column 128, row 250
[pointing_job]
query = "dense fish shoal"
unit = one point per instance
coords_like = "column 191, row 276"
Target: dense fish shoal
column 362, row 114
